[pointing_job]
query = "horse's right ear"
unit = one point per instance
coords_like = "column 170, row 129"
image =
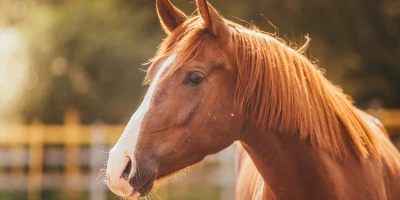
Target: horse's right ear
column 170, row 16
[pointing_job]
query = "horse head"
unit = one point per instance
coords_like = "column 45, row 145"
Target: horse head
column 188, row 111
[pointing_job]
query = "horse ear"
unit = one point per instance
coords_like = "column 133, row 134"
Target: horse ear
column 212, row 20
column 170, row 16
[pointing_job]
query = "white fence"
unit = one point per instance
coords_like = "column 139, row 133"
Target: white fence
column 69, row 157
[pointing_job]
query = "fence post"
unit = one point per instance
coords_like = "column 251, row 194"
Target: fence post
column 35, row 176
column 71, row 149
column 17, row 161
column 227, row 173
column 97, row 157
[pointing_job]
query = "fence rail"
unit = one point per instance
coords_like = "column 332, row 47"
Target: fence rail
column 27, row 151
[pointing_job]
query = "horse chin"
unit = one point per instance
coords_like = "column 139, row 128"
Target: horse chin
column 134, row 196
column 143, row 185
column 159, row 180
column 146, row 188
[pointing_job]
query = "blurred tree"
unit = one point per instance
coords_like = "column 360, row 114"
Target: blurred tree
column 358, row 42
column 87, row 54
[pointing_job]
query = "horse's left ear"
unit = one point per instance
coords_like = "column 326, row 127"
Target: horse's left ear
column 170, row 16
column 212, row 20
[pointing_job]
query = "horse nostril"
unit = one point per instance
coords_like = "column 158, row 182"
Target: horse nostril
column 127, row 171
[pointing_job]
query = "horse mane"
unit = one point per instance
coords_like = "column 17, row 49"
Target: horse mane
column 281, row 89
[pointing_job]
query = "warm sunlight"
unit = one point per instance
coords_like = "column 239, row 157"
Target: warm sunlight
column 13, row 68
column 257, row 99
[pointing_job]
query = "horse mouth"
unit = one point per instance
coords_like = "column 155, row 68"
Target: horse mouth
column 142, row 185
column 146, row 188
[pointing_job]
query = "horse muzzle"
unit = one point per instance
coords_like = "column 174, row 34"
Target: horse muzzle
column 120, row 167
column 127, row 178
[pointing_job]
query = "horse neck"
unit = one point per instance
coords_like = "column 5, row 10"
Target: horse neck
column 290, row 167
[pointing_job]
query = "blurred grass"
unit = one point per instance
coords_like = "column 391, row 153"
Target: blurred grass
column 171, row 193
column 193, row 193
column 14, row 195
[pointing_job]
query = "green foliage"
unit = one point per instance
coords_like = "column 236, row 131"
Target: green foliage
column 87, row 54
column 90, row 59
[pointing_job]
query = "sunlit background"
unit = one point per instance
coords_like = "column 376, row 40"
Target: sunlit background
column 71, row 74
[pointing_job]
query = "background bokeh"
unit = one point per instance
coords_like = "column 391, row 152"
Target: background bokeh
column 88, row 55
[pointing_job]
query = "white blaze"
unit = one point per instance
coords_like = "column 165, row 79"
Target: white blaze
column 126, row 144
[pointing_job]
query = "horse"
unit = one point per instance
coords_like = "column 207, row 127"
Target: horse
column 214, row 82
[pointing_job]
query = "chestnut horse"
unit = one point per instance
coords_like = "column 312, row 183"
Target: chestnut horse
column 214, row 82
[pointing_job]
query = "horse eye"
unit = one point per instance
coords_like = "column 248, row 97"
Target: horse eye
column 194, row 78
